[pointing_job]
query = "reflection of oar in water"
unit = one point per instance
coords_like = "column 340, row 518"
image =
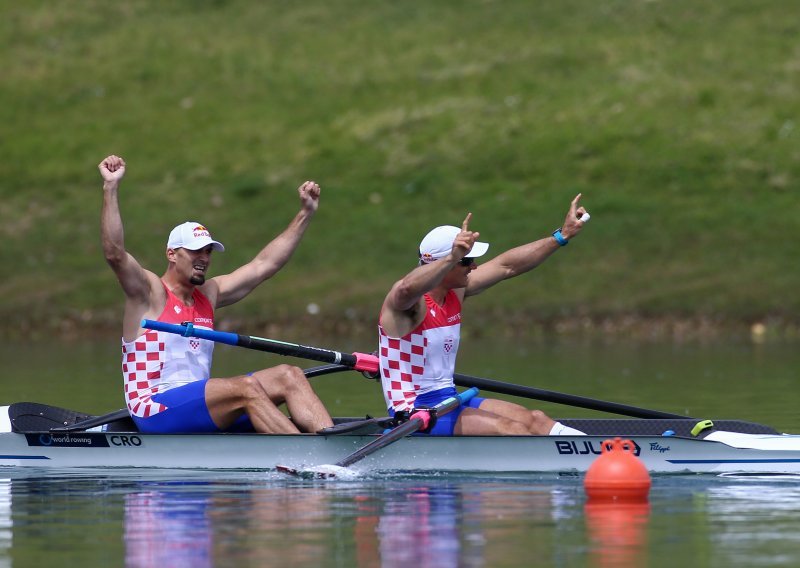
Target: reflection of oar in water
column 420, row 420
column 369, row 363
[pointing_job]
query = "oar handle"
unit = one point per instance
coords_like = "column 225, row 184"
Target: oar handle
column 189, row 330
column 443, row 407
column 357, row 361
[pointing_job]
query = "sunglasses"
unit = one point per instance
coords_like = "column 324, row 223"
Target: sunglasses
column 466, row 261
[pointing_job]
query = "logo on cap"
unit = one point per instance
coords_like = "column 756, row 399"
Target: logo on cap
column 200, row 231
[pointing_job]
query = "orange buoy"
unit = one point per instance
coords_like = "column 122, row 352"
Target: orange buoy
column 617, row 474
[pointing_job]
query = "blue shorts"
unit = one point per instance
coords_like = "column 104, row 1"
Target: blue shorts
column 186, row 412
column 446, row 423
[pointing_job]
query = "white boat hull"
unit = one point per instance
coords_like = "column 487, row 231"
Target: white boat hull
column 555, row 454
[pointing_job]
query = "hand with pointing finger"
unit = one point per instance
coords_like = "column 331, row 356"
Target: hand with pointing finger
column 577, row 216
column 465, row 240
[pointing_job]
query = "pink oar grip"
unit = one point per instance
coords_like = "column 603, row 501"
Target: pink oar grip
column 365, row 362
column 424, row 416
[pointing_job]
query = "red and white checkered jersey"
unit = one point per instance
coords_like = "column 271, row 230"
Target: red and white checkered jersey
column 157, row 361
column 423, row 360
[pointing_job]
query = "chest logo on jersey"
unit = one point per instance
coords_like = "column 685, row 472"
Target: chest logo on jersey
column 433, row 313
column 177, row 309
column 448, row 344
column 194, row 344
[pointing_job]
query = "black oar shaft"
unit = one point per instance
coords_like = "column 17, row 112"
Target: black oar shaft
column 405, row 429
column 365, row 362
column 413, row 424
column 358, row 361
column 560, row 398
column 296, row 350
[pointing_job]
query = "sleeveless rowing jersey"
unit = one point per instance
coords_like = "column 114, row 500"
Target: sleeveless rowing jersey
column 424, row 360
column 157, row 361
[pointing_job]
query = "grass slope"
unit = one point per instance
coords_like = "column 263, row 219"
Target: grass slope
column 676, row 120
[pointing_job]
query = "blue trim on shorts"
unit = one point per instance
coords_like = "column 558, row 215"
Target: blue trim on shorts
column 445, row 424
column 186, row 412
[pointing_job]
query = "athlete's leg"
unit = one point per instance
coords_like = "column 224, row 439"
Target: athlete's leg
column 499, row 417
column 535, row 421
column 258, row 395
column 228, row 399
column 288, row 384
column 479, row 422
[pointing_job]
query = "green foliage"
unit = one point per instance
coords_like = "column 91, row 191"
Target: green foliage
column 676, row 120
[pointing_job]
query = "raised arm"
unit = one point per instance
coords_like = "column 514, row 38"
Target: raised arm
column 137, row 283
column 234, row 286
column 403, row 309
column 521, row 259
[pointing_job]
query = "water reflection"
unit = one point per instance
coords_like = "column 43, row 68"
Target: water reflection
column 211, row 523
column 167, row 528
column 423, row 525
column 373, row 524
column 756, row 523
column 6, row 524
column 618, row 533
column 223, row 519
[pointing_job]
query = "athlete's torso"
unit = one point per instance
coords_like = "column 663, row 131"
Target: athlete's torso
column 423, row 360
column 157, row 361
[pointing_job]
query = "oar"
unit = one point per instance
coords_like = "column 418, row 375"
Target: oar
column 357, row 361
column 419, row 420
column 369, row 363
column 561, row 398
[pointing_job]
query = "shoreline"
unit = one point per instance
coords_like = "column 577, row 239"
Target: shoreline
column 606, row 328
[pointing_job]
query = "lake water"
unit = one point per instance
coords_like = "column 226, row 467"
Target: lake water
column 197, row 519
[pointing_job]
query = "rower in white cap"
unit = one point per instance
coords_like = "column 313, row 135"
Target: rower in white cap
column 420, row 327
column 167, row 377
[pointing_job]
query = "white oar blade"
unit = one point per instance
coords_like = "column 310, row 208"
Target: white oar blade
column 327, row 471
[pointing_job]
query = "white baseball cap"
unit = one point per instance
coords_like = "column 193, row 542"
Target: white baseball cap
column 193, row 236
column 439, row 242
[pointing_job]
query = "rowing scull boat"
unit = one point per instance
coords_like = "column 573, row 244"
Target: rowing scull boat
column 41, row 436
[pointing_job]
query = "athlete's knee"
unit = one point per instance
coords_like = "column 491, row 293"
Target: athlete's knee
column 251, row 387
column 537, row 417
column 282, row 378
column 541, row 423
column 507, row 426
column 291, row 377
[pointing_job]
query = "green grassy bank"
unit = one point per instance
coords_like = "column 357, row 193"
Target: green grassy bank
column 678, row 121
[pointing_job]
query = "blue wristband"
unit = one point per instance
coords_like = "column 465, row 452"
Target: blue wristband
column 560, row 238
